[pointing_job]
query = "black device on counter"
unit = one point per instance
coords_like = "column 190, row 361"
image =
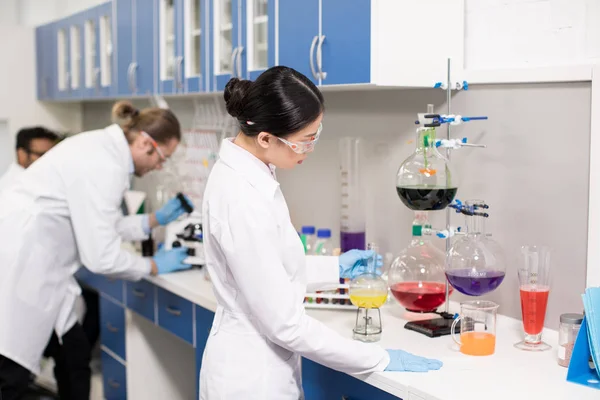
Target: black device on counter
column 184, row 203
column 148, row 247
column 432, row 327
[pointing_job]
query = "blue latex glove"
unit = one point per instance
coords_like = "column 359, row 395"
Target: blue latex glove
column 400, row 360
column 171, row 260
column 353, row 263
column 171, row 211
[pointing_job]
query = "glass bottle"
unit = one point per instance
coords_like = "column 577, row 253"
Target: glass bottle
column 416, row 277
column 567, row 334
column 425, row 180
column 475, row 264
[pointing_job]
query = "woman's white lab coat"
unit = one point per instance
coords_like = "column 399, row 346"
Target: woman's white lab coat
column 64, row 211
column 258, row 268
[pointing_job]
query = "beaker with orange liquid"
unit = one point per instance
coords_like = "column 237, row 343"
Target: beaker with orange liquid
column 477, row 328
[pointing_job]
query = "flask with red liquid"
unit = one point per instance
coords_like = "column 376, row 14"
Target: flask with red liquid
column 416, row 277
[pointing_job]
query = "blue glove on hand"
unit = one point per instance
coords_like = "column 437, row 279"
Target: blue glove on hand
column 171, row 211
column 353, row 263
column 171, row 260
column 400, row 360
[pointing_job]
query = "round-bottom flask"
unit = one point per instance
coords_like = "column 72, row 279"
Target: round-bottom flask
column 416, row 277
column 476, row 263
column 368, row 292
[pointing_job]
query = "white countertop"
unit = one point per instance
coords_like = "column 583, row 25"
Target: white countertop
column 505, row 375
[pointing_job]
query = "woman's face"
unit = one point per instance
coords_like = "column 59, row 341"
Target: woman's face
column 282, row 155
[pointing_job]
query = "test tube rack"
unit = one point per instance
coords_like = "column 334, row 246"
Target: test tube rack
column 333, row 298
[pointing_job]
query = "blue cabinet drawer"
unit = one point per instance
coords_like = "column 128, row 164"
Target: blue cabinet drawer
column 112, row 326
column 111, row 287
column 140, row 298
column 114, row 378
column 175, row 314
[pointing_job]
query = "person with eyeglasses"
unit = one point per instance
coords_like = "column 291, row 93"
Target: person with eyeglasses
column 256, row 260
column 32, row 143
column 65, row 211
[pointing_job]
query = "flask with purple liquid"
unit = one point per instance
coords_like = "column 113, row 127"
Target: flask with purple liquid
column 475, row 264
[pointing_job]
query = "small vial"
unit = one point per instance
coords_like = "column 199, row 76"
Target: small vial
column 567, row 334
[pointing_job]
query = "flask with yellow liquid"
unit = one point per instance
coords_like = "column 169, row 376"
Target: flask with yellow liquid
column 368, row 292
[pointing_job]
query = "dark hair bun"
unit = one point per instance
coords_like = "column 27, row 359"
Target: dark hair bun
column 235, row 95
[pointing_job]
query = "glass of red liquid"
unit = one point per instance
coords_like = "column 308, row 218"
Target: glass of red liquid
column 534, row 280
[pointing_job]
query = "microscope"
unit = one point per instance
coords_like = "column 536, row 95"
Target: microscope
column 187, row 232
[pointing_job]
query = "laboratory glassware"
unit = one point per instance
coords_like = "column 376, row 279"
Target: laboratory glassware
column 309, row 238
column 477, row 328
column 368, row 292
column 567, row 334
column 353, row 213
column 416, row 277
column 534, row 287
column 425, row 180
column 476, row 264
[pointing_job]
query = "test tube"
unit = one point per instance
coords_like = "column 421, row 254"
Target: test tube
column 352, row 227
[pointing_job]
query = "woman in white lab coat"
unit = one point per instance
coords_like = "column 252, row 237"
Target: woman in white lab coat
column 256, row 260
column 64, row 211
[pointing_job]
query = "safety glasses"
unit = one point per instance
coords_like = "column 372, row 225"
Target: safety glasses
column 163, row 159
column 303, row 147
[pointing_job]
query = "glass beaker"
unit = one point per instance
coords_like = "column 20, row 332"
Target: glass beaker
column 534, row 287
column 424, row 180
column 477, row 328
column 368, row 292
column 353, row 213
column 475, row 264
column 416, row 277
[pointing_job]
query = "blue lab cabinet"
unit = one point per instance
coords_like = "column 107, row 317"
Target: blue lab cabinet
column 338, row 53
column 166, row 47
column 135, row 47
column 191, row 323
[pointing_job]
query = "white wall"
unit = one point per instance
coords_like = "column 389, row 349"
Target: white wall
column 529, row 171
column 18, row 103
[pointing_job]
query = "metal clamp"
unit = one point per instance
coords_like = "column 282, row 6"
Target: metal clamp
column 111, row 328
column 322, row 74
column 138, row 293
column 311, row 57
column 173, row 311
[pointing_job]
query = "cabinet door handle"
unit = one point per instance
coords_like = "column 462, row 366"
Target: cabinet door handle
column 130, row 76
column 311, row 57
column 173, row 311
column 113, row 384
column 68, row 78
column 134, row 77
column 233, row 58
column 180, row 72
column 97, row 79
column 138, row 293
column 111, row 328
column 322, row 74
column 239, row 61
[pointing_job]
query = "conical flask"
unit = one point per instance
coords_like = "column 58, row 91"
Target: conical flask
column 476, row 264
column 416, row 277
column 425, row 181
